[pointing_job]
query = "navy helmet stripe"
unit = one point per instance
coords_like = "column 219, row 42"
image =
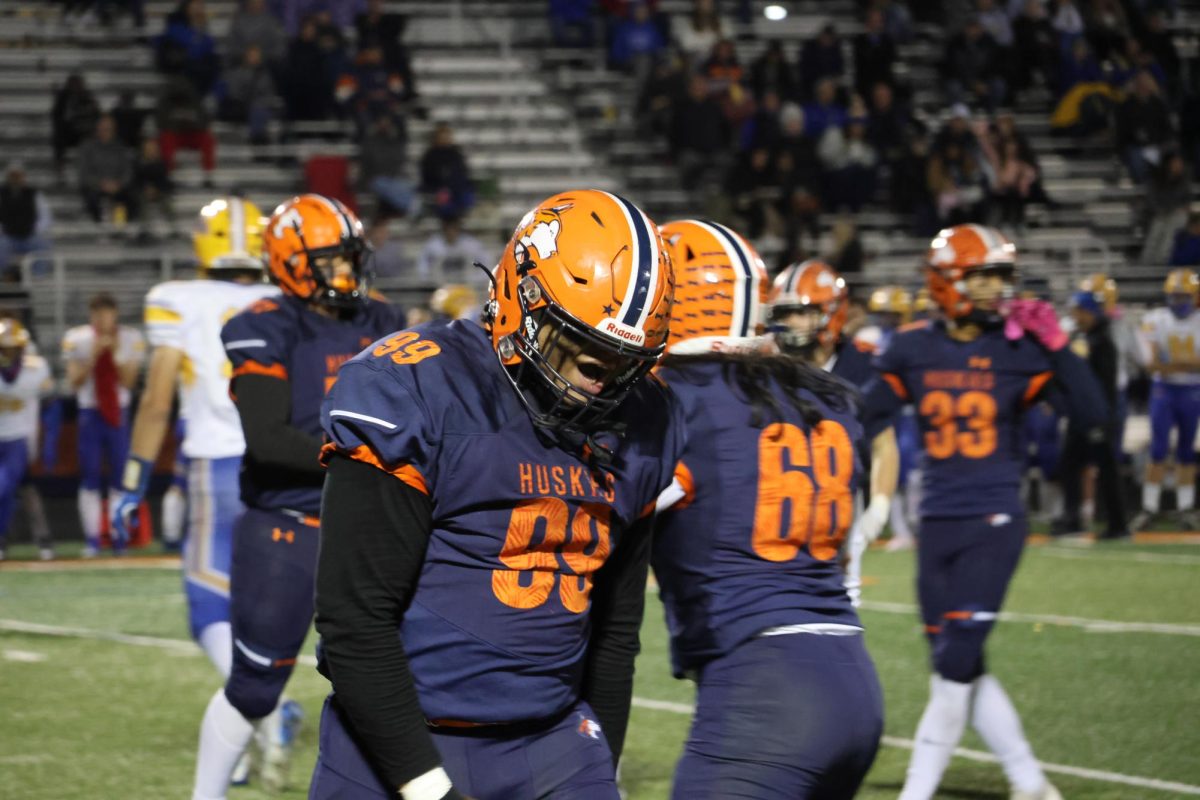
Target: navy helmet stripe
column 743, row 328
column 642, row 270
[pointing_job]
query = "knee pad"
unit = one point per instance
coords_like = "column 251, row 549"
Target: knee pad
column 254, row 689
column 958, row 649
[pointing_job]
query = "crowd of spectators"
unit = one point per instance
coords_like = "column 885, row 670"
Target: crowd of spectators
column 831, row 125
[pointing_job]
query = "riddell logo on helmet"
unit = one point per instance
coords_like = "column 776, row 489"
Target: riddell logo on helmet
column 631, row 335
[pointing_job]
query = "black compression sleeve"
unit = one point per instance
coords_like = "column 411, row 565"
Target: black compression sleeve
column 618, row 602
column 374, row 531
column 264, row 405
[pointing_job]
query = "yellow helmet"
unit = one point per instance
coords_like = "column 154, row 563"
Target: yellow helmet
column 921, row 301
column 13, row 334
column 1182, row 281
column 891, row 299
column 229, row 235
column 1102, row 287
column 455, row 300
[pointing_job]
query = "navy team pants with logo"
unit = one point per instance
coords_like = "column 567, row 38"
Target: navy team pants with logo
column 964, row 566
column 271, row 604
column 792, row 717
column 566, row 758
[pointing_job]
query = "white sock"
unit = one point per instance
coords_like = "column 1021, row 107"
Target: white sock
column 901, row 530
column 224, row 735
column 1151, row 497
column 1185, row 497
column 174, row 512
column 217, row 642
column 997, row 723
column 938, row 732
column 89, row 513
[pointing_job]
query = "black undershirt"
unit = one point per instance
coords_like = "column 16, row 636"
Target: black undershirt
column 374, row 532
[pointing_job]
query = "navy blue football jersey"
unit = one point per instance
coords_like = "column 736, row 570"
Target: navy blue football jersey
column 852, row 362
column 754, row 542
column 970, row 399
column 284, row 338
column 498, row 626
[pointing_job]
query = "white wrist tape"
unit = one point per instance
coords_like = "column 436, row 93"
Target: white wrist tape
column 433, row 785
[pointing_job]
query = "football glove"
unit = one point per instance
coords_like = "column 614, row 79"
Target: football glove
column 134, row 482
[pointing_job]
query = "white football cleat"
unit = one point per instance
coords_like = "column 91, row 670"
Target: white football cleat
column 1047, row 792
column 276, row 740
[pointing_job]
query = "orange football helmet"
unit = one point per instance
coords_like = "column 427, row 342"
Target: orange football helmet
column 809, row 287
column 720, row 287
column 304, row 238
column 584, row 270
column 954, row 253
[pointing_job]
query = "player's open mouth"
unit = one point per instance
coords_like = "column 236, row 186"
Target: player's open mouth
column 591, row 377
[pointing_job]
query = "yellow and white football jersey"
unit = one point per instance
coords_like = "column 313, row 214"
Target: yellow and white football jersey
column 19, row 400
column 1169, row 338
column 188, row 316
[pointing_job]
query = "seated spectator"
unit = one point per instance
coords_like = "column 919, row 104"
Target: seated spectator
column 1005, row 130
column 105, row 168
column 382, row 170
column 846, row 255
column 183, row 122
column 699, row 32
column 897, row 19
column 636, row 42
column 850, row 164
column 248, row 95
column 699, row 132
column 24, row 217
column 253, row 24
column 821, row 58
column 722, row 68
column 1066, row 20
column 1186, row 250
column 771, row 72
column 73, row 117
column 1036, row 47
column 129, row 119
column 445, row 178
column 955, row 182
column 337, row 14
column 824, row 111
column 1160, row 43
column 910, row 191
column 1012, row 181
column 874, row 54
column 973, row 68
column 1168, row 195
column 888, row 123
column 571, row 22
column 661, row 91
column 957, row 130
column 309, row 79
column 1106, row 25
column 151, row 181
column 753, row 189
column 799, row 174
column 387, row 256
column 762, row 129
column 995, row 21
column 1125, row 61
column 737, row 105
column 186, row 47
column 1143, row 126
column 1085, row 97
column 370, row 91
column 451, row 254
column 378, row 28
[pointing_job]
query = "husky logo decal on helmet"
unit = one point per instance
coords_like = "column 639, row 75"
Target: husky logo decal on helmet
column 304, row 239
column 584, row 271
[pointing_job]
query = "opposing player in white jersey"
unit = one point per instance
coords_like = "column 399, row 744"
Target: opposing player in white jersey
column 103, row 359
column 184, row 319
column 24, row 380
column 1171, row 339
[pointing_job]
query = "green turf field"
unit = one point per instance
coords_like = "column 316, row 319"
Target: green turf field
column 1101, row 660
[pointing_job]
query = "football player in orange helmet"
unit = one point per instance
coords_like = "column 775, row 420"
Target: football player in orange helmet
column 514, row 468
column 809, row 303
column 284, row 353
column 970, row 377
column 754, row 595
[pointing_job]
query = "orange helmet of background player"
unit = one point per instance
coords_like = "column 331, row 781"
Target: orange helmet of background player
column 591, row 266
column 805, row 287
column 307, row 230
column 955, row 253
column 720, row 287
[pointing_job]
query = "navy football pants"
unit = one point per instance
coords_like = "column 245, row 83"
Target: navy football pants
column 783, row 718
column 565, row 759
column 964, row 566
column 271, row 604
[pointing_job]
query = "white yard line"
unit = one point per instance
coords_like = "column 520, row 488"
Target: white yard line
column 1183, row 559
column 23, row 656
column 1090, row 625
column 977, row 755
column 93, row 564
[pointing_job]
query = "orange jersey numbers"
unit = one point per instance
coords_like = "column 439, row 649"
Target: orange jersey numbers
column 533, row 563
column 819, row 507
column 943, row 410
column 404, row 348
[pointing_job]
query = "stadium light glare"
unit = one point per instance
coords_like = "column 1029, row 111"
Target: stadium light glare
column 775, row 13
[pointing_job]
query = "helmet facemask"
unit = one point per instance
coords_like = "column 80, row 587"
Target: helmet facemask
column 552, row 345
column 981, row 314
column 800, row 336
column 337, row 290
